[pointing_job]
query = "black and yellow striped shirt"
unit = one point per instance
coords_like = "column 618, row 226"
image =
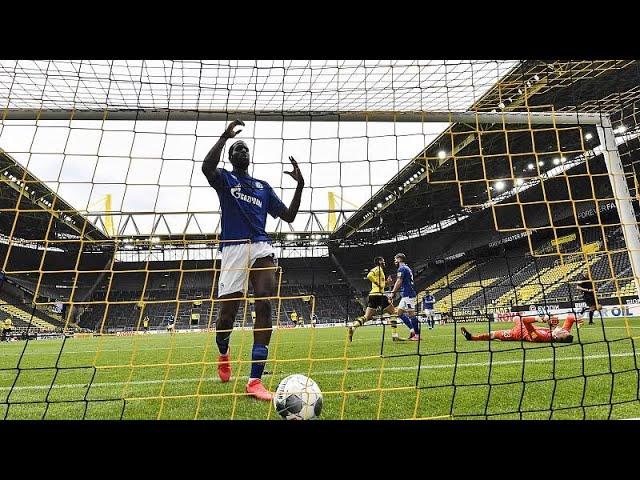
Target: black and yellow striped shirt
column 377, row 279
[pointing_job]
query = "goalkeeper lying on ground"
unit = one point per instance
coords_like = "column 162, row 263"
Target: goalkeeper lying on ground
column 525, row 330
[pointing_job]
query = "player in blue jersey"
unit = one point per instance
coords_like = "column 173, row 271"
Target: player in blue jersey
column 406, row 310
column 171, row 324
column 246, row 251
column 427, row 308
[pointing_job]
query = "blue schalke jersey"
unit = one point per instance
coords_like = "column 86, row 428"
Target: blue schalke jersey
column 245, row 202
column 407, row 289
column 427, row 302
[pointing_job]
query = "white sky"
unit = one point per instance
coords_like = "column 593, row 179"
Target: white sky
column 154, row 166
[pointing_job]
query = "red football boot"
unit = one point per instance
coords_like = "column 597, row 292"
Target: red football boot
column 224, row 367
column 257, row 390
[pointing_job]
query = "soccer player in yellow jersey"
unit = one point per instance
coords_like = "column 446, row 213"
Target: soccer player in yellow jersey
column 445, row 312
column 377, row 299
column 294, row 318
column 7, row 327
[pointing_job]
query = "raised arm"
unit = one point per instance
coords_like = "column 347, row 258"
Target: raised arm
column 210, row 164
column 527, row 320
column 289, row 215
column 534, row 319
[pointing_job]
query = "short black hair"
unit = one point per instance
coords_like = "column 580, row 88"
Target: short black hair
column 567, row 339
column 401, row 256
column 233, row 146
column 376, row 260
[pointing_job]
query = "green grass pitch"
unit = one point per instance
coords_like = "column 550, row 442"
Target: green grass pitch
column 174, row 377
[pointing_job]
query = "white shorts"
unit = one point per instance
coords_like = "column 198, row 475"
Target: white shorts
column 407, row 303
column 427, row 311
column 235, row 265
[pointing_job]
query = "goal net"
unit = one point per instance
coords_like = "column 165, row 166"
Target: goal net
column 510, row 186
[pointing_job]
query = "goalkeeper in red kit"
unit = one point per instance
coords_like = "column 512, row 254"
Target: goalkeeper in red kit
column 525, row 330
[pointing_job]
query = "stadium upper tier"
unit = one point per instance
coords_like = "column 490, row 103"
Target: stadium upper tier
column 465, row 152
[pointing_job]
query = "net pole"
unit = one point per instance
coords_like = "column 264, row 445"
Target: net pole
column 622, row 195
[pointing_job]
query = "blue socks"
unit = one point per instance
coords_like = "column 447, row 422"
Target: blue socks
column 412, row 323
column 259, row 355
column 222, row 339
column 416, row 324
column 405, row 319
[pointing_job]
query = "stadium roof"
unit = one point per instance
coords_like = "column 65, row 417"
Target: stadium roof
column 399, row 206
column 36, row 204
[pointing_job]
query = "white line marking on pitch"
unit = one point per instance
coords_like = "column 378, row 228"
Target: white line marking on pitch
column 69, row 351
column 326, row 372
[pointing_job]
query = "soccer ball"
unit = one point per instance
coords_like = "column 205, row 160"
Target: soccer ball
column 298, row 398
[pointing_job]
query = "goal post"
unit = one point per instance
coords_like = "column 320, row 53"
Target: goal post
column 609, row 149
column 622, row 195
column 523, row 118
column 500, row 192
